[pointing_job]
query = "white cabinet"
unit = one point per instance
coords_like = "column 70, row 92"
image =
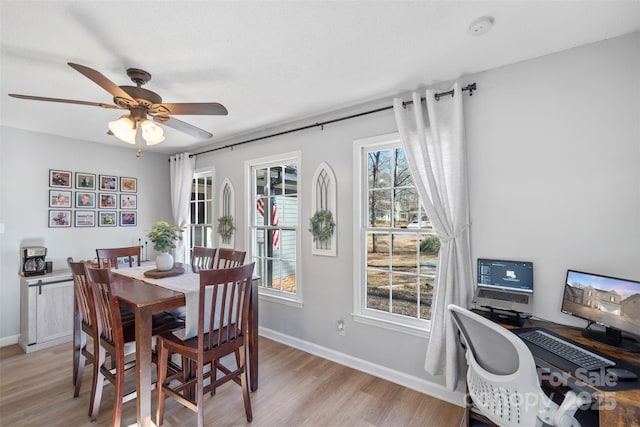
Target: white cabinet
column 46, row 310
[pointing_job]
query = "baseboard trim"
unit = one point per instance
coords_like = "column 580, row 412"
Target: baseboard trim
column 414, row 383
column 10, row 340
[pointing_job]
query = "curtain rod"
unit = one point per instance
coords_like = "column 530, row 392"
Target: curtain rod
column 471, row 87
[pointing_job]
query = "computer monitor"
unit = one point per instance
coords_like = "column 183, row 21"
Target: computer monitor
column 608, row 301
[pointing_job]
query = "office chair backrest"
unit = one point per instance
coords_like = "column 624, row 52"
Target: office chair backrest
column 502, row 378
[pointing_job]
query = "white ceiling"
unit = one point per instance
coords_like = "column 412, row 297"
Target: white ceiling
column 268, row 62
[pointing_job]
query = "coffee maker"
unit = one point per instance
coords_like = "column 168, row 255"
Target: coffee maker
column 33, row 263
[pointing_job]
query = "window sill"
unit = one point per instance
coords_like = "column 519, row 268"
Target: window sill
column 279, row 299
column 394, row 326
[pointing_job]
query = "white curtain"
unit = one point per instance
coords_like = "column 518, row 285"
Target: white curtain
column 432, row 137
column 181, row 176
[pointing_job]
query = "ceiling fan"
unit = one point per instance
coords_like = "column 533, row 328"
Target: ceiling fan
column 140, row 102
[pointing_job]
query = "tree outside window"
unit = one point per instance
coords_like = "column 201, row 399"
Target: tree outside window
column 401, row 248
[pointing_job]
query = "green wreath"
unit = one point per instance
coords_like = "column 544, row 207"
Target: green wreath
column 225, row 226
column 322, row 225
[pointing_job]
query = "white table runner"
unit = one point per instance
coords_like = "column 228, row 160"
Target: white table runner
column 188, row 283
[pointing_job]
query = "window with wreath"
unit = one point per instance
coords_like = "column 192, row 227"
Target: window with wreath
column 275, row 223
column 398, row 250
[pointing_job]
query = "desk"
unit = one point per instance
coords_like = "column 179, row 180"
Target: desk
column 144, row 299
column 618, row 408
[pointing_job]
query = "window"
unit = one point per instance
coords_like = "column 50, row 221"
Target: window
column 274, row 225
column 398, row 250
column 201, row 210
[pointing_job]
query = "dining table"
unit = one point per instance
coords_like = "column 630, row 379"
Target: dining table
column 145, row 296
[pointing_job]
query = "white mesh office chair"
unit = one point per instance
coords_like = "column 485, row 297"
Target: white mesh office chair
column 502, row 378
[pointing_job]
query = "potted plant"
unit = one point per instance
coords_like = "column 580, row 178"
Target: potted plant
column 164, row 235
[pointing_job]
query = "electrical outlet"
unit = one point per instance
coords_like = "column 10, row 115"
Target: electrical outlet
column 341, row 328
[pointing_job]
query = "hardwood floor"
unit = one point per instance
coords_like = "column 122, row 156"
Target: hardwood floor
column 296, row 389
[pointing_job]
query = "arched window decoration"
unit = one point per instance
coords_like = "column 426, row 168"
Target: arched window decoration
column 324, row 193
column 227, row 216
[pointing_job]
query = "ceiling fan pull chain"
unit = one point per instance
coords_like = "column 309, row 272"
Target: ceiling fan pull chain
column 138, row 139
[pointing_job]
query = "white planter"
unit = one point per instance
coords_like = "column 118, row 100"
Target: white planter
column 164, row 261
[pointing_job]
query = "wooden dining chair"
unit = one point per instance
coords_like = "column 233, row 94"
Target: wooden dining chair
column 109, row 256
column 117, row 339
column 223, row 332
column 86, row 317
column 228, row 258
column 202, row 258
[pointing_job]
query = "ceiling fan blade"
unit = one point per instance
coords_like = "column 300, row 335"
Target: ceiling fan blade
column 196, row 132
column 67, row 101
column 102, row 81
column 192, row 108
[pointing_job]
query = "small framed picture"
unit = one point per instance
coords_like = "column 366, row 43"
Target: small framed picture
column 128, row 219
column 128, row 201
column 108, row 200
column 85, row 200
column 107, row 219
column 85, row 219
column 108, row 183
column 61, row 179
column 128, row 185
column 59, row 199
column 59, row 218
column 85, row 181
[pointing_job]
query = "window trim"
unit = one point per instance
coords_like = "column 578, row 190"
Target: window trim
column 199, row 173
column 360, row 312
column 270, row 294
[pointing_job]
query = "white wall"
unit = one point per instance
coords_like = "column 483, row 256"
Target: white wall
column 554, row 148
column 25, row 159
column 554, row 160
column 554, row 152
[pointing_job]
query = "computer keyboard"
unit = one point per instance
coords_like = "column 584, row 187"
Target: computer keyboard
column 574, row 354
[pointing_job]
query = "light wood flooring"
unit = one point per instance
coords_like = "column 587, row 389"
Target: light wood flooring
column 295, row 389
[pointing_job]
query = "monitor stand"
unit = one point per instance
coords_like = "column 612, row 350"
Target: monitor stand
column 509, row 317
column 612, row 337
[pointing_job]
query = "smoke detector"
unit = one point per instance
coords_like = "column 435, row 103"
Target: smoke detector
column 481, row 26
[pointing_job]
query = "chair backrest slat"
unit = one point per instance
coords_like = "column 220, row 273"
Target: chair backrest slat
column 111, row 255
column 108, row 308
column 83, row 292
column 228, row 308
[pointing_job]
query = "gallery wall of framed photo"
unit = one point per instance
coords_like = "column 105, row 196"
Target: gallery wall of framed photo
column 81, row 199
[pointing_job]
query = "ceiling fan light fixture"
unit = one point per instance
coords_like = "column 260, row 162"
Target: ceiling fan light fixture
column 124, row 129
column 151, row 133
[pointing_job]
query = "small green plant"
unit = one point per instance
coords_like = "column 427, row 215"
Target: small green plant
column 226, row 227
column 322, row 225
column 164, row 235
column 430, row 245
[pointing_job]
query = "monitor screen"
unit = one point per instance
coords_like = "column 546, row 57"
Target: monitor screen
column 609, row 301
column 506, row 275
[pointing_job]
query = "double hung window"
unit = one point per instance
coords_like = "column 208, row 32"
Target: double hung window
column 397, row 250
column 201, row 209
column 274, row 225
